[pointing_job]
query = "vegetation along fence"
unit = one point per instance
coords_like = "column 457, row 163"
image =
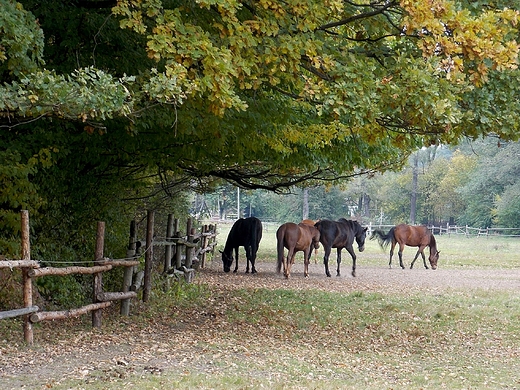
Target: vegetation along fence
column 182, row 252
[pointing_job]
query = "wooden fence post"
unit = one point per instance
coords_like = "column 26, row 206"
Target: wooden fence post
column 213, row 240
column 168, row 248
column 148, row 257
column 205, row 240
column 189, row 238
column 129, row 271
column 27, row 281
column 98, row 277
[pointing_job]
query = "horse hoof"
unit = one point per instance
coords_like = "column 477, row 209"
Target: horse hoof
column 235, row 271
column 328, row 274
column 353, row 274
column 254, row 271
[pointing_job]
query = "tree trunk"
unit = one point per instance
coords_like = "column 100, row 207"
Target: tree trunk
column 305, row 203
column 413, row 196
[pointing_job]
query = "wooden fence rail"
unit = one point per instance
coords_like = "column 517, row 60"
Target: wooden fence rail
column 174, row 243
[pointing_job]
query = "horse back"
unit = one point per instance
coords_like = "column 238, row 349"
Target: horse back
column 412, row 235
column 332, row 235
column 244, row 232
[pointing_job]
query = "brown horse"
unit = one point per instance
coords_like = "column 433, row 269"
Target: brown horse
column 312, row 222
column 295, row 238
column 418, row 236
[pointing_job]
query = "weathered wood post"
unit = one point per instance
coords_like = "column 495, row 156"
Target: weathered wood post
column 203, row 245
column 98, row 277
column 129, row 271
column 168, row 247
column 27, row 281
column 189, row 248
column 178, row 252
column 148, row 256
column 213, row 240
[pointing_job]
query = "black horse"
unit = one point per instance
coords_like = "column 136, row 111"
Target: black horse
column 247, row 233
column 341, row 234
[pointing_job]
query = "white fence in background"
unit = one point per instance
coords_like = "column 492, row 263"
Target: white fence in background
column 460, row 230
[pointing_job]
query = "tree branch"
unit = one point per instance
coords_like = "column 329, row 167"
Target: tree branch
column 377, row 10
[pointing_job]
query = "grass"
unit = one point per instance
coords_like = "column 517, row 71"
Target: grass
column 253, row 338
column 284, row 339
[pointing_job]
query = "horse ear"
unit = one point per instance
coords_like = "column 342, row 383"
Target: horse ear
column 221, row 252
column 365, row 229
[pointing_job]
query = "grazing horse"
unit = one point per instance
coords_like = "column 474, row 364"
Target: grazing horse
column 295, row 238
column 418, row 236
column 312, row 222
column 341, row 234
column 246, row 232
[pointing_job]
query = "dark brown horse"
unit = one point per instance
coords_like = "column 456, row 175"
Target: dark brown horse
column 341, row 234
column 295, row 238
column 418, row 236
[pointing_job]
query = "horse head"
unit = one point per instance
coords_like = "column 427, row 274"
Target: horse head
column 361, row 235
column 434, row 258
column 227, row 260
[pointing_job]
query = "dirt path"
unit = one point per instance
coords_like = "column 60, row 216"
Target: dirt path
column 369, row 278
column 111, row 355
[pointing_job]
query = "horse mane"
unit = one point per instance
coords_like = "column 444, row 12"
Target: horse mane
column 433, row 243
column 352, row 223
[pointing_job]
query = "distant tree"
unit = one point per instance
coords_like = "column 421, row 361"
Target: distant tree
column 494, row 176
column 448, row 203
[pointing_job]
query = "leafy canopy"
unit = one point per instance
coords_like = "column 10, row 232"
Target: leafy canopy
column 354, row 79
column 261, row 93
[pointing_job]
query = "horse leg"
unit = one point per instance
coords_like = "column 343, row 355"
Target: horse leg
column 424, row 260
column 391, row 254
column 415, row 258
column 326, row 260
column 338, row 261
column 421, row 252
column 236, row 259
column 350, row 250
column 288, row 263
column 306, row 261
column 254, row 249
column 400, row 253
column 248, row 257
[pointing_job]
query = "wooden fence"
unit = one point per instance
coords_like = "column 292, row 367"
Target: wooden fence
column 195, row 245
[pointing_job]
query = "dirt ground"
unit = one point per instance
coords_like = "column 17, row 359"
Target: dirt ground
column 92, row 355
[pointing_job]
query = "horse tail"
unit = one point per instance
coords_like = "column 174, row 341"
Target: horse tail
column 280, row 233
column 384, row 239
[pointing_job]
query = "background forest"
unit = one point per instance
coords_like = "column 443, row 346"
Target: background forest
column 476, row 184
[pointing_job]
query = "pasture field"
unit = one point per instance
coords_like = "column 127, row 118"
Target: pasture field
column 457, row 327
